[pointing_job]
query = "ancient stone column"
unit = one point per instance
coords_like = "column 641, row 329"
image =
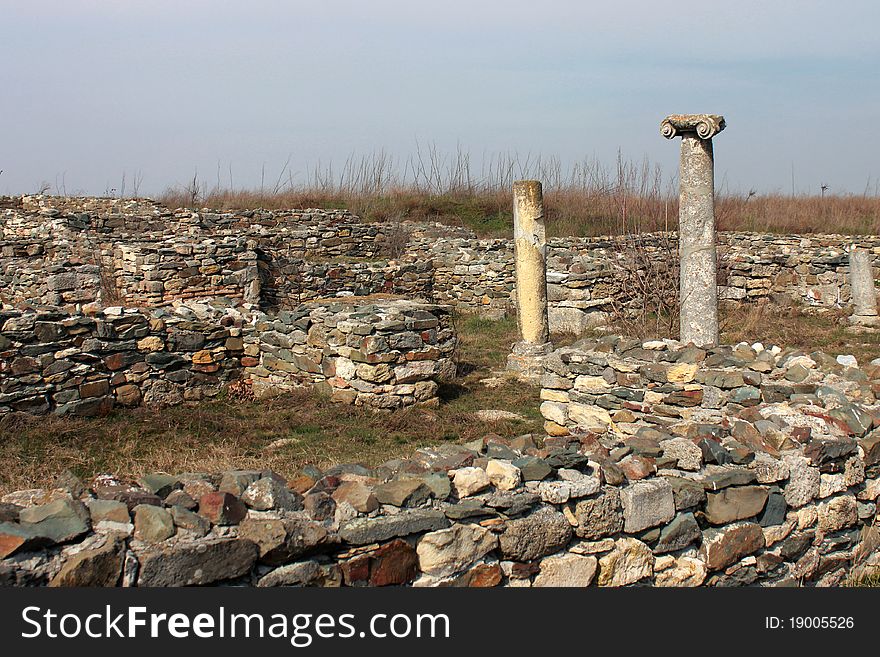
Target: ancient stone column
column 530, row 255
column 698, row 287
column 861, row 280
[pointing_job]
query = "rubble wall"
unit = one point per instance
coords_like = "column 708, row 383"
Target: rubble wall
column 72, row 251
column 517, row 512
column 84, row 364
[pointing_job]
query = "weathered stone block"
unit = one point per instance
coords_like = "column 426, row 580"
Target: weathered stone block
column 647, row 504
column 726, row 545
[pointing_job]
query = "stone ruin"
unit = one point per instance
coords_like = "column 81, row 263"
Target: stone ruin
column 664, row 463
column 383, row 354
column 70, row 252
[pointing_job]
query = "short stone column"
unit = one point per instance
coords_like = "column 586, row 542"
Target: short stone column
column 530, row 255
column 864, row 296
column 698, row 286
column 252, row 293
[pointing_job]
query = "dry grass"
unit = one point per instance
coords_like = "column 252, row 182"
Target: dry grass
column 869, row 580
column 798, row 328
column 579, row 213
column 225, row 434
column 584, row 199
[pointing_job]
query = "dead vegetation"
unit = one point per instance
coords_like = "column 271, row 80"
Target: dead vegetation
column 585, row 198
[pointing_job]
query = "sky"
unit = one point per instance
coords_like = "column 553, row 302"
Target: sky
column 159, row 91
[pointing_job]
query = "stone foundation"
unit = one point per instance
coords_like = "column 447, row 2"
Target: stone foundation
column 385, row 354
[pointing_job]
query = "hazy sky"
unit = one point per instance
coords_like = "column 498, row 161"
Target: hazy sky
column 90, row 89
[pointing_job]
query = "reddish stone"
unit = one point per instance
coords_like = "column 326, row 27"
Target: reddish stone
column 751, row 414
column 128, row 395
column 612, row 474
column 636, row 467
column 222, row 508
column 746, row 433
column 802, row 434
column 591, row 446
column 24, row 365
column 726, row 545
column 206, row 369
column 428, row 354
column 484, row 575
column 767, row 561
column 414, row 467
column 393, row 563
column 453, row 462
column 524, row 570
column 326, row 484
column 359, row 495
column 558, row 442
column 14, row 537
column 840, row 424
column 249, row 361
column 643, row 446
column 301, row 484
column 122, row 359
column 388, row 357
column 356, row 571
column 319, row 506
column 685, row 398
column 94, row 389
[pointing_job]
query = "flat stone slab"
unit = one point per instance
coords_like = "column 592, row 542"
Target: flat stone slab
column 361, row 531
column 196, row 564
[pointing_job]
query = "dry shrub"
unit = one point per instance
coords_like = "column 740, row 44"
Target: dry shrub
column 646, row 276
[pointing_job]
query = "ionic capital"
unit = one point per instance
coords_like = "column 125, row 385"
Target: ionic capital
column 705, row 126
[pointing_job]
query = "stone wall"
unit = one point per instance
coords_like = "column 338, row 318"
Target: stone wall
column 77, row 364
column 384, row 354
column 288, row 281
column 494, row 512
column 583, row 273
column 68, row 251
column 155, row 272
column 85, row 364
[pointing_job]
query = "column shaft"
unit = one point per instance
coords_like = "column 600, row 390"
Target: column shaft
column 696, row 235
column 530, row 253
